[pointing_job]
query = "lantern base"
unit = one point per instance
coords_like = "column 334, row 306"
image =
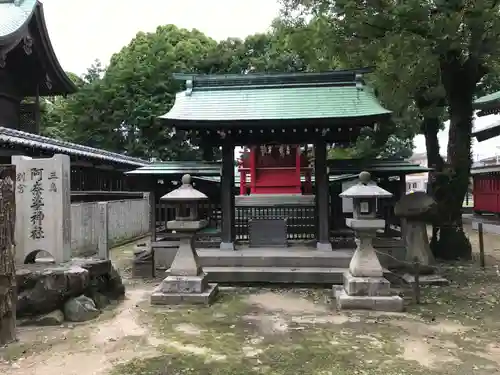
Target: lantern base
column 367, row 293
column 376, row 303
column 176, row 290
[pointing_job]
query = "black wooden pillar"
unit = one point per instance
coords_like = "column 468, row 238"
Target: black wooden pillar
column 208, row 153
column 402, row 193
column 152, row 207
column 322, row 196
column 227, row 197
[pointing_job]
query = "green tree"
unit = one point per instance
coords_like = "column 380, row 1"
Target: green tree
column 116, row 108
column 429, row 55
column 325, row 46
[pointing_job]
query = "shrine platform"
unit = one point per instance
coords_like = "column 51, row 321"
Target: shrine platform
column 296, row 264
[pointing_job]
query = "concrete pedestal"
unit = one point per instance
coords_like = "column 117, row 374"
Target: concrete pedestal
column 186, row 282
column 367, row 293
column 177, row 290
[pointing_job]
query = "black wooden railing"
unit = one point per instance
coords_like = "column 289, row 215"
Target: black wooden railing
column 301, row 220
column 211, row 211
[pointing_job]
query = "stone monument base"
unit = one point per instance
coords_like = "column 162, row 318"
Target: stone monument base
column 367, row 293
column 176, row 290
column 426, row 279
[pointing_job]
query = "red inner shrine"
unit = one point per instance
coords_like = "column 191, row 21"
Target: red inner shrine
column 274, row 169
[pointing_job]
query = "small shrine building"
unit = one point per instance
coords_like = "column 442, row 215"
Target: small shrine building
column 268, row 112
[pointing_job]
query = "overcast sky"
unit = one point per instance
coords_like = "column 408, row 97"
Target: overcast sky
column 95, row 29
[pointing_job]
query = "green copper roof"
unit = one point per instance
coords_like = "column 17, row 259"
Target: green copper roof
column 488, row 104
column 216, row 179
column 196, row 168
column 254, row 97
column 490, row 98
column 376, row 166
column 14, row 14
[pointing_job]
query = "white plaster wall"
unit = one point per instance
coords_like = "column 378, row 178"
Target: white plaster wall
column 126, row 219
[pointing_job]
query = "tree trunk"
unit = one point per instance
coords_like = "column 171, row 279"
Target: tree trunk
column 8, row 288
column 450, row 186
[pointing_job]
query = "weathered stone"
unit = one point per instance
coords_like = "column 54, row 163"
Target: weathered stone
column 365, row 262
column 45, row 289
column 100, row 300
column 377, row 303
column 417, row 244
column 207, row 297
column 414, row 205
column 96, row 267
column 54, row 318
column 115, row 288
column 184, row 284
column 186, row 262
column 366, row 286
column 45, row 180
column 80, row 309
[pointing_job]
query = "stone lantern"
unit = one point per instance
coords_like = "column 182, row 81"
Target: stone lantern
column 186, row 282
column 414, row 210
column 364, row 284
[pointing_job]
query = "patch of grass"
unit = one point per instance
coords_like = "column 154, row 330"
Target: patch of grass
column 227, row 342
column 472, row 298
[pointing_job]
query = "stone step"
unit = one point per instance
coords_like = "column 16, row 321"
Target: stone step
column 300, row 275
column 292, row 258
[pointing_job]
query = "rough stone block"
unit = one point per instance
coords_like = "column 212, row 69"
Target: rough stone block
column 184, row 284
column 376, row 303
column 426, row 279
column 206, row 298
column 366, row 286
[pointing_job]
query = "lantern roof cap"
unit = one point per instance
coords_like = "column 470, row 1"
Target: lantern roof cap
column 186, row 192
column 365, row 188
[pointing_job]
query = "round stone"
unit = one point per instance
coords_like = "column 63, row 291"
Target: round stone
column 186, row 179
column 365, row 177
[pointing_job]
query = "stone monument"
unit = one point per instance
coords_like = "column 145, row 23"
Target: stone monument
column 186, row 282
column 413, row 208
column 43, row 208
column 364, row 284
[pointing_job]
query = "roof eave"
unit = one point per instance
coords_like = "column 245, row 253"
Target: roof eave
column 485, row 134
column 62, row 84
column 197, row 123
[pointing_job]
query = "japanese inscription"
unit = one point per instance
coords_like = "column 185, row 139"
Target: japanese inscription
column 43, row 206
column 21, row 182
column 37, row 204
column 52, row 177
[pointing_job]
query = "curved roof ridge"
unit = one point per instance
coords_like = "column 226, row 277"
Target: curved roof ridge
column 14, row 16
column 68, row 85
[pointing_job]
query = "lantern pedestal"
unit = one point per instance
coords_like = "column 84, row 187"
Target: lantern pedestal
column 186, row 282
